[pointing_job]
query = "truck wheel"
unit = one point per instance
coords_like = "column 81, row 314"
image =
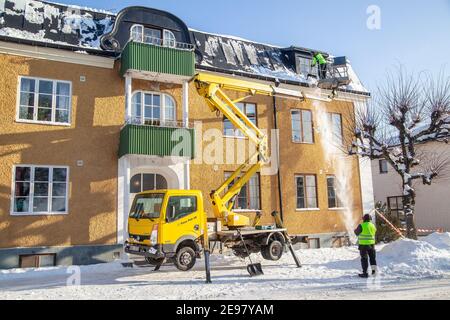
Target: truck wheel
column 154, row 261
column 185, row 259
column 273, row 252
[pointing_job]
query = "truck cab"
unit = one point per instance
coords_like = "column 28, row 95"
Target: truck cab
column 167, row 224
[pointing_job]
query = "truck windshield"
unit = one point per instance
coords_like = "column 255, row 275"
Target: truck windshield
column 147, row 206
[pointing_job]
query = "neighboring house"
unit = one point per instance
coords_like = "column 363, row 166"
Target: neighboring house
column 89, row 103
column 432, row 211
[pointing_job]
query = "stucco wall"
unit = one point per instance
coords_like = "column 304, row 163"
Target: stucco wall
column 432, row 202
column 93, row 137
column 294, row 158
column 97, row 116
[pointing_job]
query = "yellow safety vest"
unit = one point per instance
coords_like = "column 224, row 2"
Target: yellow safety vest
column 367, row 236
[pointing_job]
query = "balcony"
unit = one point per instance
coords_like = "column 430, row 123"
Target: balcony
column 158, row 61
column 157, row 139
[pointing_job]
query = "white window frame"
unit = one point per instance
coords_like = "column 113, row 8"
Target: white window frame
column 302, row 127
column 336, row 193
column 237, row 133
column 170, row 43
column 142, row 33
column 227, row 174
column 162, row 111
column 331, row 126
column 36, row 97
column 304, row 175
column 31, row 196
column 164, row 41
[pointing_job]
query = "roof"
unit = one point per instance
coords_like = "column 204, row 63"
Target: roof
column 75, row 28
column 53, row 24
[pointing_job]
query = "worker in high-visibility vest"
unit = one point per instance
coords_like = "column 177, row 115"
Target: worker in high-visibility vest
column 318, row 58
column 366, row 233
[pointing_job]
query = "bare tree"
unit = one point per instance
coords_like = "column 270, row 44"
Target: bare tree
column 407, row 111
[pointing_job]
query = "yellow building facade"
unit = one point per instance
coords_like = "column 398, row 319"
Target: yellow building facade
column 85, row 127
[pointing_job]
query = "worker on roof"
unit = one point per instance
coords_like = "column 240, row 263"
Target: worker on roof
column 318, row 58
column 366, row 233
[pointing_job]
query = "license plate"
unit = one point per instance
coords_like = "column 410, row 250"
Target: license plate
column 152, row 251
column 134, row 248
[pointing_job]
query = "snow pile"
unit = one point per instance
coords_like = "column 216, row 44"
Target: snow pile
column 439, row 240
column 416, row 258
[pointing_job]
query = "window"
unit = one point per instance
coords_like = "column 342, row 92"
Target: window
column 181, row 206
column 169, row 39
column 340, row 241
column 383, row 166
column 153, row 36
column 335, row 123
column 229, row 129
column 40, row 190
column 249, row 197
column 306, row 192
column 37, row 260
column 333, row 188
column 313, row 243
column 304, row 66
column 153, row 109
column 302, row 126
column 395, row 205
column 137, row 32
column 147, row 182
column 41, row 100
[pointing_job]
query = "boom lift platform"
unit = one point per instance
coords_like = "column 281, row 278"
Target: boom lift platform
column 336, row 77
column 181, row 231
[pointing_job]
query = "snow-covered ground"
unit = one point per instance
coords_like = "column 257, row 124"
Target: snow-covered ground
column 409, row 270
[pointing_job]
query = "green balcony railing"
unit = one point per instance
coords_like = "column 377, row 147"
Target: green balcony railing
column 145, row 57
column 156, row 141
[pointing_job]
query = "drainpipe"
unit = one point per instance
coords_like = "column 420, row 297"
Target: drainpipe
column 185, row 103
column 128, row 92
column 275, row 121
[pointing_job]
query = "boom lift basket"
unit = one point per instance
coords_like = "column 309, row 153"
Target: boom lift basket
column 337, row 75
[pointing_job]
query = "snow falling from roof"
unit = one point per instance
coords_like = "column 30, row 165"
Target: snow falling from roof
column 54, row 23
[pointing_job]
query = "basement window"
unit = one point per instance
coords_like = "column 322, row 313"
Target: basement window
column 313, row 243
column 37, row 260
column 40, row 190
column 44, row 101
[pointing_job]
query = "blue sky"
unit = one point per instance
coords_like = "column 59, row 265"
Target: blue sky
column 415, row 33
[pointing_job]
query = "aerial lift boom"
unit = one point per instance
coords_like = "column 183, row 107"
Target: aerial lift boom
column 212, row 89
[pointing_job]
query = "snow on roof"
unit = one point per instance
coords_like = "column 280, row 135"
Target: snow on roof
column 82, row 28
column 54, row 23
column 244, row 56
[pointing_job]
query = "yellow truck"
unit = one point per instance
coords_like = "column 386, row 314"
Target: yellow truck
column 173, row 225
